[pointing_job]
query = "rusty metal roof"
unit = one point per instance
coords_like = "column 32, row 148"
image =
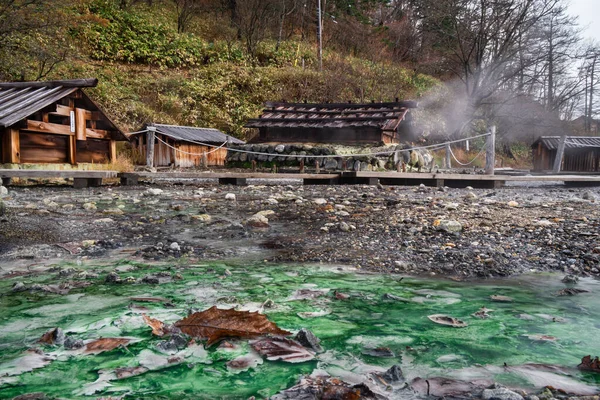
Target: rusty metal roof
column 385, row 116
column 572, row 142
column 193, row 134
column 19, row 100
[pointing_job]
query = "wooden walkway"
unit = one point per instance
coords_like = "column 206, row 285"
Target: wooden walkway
column 83, row 179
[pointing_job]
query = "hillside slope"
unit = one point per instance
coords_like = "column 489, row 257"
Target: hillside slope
column 149, row 72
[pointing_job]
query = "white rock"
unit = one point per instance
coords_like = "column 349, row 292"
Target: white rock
column 3, row 191
column 272, row 201
column 451, row 206
column 449, row 225
column 202, row 218
column 258, row 221
column 89, row 206
column 154, row 192
column 513, row 203
column 175, row 246
column 103, row 221
column 344, row 227
column 544, row 222
column 230, row 196
column 320, row 201
column 265, row 213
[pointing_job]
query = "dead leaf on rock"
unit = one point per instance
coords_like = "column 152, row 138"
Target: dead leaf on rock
column 328, row 388
column 127, row 372
column 53, row 336
column 149, row 299
column 501, row 299
column 105, row 344
column 280, row 348
column 590, row 364
column 158, row 327
column 215, row 324
column 447, row 320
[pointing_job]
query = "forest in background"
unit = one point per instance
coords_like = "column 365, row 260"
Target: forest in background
column 518, row 64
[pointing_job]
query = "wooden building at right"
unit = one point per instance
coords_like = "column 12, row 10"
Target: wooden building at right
column 581, row 154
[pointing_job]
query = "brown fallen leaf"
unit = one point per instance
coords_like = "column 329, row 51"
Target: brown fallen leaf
column 284, row 349
column 105, row 344
column 215, row 324
column 158, row 327
column 53, row 336
column 589, row 364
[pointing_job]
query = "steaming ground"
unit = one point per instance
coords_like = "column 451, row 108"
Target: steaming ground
column 455, row 233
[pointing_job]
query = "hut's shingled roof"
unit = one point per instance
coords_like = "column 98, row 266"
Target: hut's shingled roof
column 572, row 142
column 386, row 116
column 194, row 134
column 19, row 100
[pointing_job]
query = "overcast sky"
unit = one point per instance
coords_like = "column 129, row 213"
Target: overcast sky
column 589, row 13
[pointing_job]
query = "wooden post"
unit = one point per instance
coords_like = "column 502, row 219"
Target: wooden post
column 204, row 160
column 302, row 165
column 113, row 150
column 150, row 146
column 253, row 165
column 12, row 146
column 447, row 159
column 317, row 166
column 490, row 154
column 72, row 147
column 560, row 152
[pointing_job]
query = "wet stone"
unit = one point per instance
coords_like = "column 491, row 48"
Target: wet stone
column 112, row 277
column 381, row 352
column 151, row 280
column 500, row 394
column 19, row 287
column 71, row 343
column 307, row 339
column 393, row 375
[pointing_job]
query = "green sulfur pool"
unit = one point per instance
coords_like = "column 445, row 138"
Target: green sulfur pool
column 536, row 327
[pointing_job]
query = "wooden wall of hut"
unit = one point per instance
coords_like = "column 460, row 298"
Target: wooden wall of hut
column 574, row 160
column 165, row 156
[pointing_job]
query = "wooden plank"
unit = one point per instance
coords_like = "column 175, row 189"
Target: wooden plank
column 40, row 148
column 61, row 110
column 37, row 173
column 97, row 134
column 80, row 128
column 47, row 127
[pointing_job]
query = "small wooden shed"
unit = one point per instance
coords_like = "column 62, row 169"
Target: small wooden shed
column 54, row 122
column 341, row 123
column 582, row 153
column 183, row 146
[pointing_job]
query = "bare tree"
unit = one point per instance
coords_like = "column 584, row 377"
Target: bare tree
column 253, row 18
column 186, row 11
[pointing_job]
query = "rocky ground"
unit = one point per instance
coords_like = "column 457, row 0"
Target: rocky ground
column 457, row 233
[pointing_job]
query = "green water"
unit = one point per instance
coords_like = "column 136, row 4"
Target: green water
column 347, row 329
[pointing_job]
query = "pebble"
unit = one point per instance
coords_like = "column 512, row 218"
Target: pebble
column 230, row 196
column 175, row 246
column 154, row 192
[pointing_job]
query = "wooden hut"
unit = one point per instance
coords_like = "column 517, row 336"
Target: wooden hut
column 54, row 122
column 341, row 123
column 582, row 153
column 183, row 146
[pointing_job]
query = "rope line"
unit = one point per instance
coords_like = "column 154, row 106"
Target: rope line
column 192, row 154
column 470, row 162
column 436, row 146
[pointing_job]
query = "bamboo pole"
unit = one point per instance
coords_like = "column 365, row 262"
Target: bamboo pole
column 490, row 154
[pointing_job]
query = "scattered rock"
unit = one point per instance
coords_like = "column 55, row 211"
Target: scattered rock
column 175, row 246
column 258, row 221
column 153, row 192
column 320, row 201
column 448, row 226
column 112, row 277
column 230, row 196
column 500, row 394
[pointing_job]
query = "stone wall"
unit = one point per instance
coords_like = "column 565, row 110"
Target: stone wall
column 332, row 156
